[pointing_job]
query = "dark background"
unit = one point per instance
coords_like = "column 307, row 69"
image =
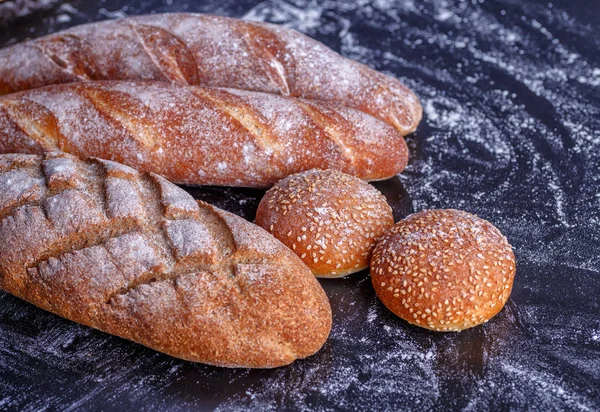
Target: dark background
column 511, row 132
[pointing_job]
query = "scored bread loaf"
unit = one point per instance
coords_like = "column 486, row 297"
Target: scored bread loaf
column 133, row 255
column 201, row 136
column 212, row 51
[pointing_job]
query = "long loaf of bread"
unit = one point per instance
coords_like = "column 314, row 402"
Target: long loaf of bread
column 135, row 256
column 212, row 51
column 197, row 135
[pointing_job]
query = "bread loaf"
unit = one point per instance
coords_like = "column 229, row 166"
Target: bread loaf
column 135, row 256
column 212, row 51
column 200, row 136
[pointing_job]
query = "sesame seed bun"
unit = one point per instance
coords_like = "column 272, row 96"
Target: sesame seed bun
column 330, row 219
column 444, row 270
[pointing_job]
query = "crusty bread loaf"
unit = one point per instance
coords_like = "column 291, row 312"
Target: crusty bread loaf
column 201, row 136
column 444, row 270
column 330, row 219
column 135, row 256
column 212, row 51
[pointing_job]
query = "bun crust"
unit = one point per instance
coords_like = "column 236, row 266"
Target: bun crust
column 445, row 270
column 330, row 219
column 133, row 255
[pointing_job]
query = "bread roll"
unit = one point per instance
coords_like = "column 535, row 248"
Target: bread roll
column 199, row 136
column 215, row 51
column 330, row 219
column 135, row 256
column 444, row 270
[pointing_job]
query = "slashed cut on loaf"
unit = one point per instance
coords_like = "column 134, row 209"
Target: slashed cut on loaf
column 200, row 136
column 135, row 256
column 212, row 51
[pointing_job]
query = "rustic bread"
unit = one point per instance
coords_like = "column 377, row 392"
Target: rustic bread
column 212, row 51
column 135, row 256
column 330, row 219
column 444, row 270
column 200, row 136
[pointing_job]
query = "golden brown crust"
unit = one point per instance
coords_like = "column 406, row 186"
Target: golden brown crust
column 445, row 270
column 330, row 219
column 208, row 50
column 135, row 256
column 200, row 136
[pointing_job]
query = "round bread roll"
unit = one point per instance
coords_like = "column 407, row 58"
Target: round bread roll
column 330, row 219
column 444, row 270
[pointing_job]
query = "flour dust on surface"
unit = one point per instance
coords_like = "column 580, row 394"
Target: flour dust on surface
column 511, row 132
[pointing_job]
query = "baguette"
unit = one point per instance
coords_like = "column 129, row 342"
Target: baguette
column 135, row 256
column 200, row 136
column 208, row 50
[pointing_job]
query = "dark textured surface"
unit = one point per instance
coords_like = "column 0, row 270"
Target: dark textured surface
column 511, row 92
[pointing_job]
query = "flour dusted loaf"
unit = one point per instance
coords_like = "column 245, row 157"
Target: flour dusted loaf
column 135, row 256
column 445, row 270
column 330, row 219
column 207, row 50
column 200, row 136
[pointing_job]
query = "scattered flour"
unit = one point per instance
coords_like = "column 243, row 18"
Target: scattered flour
column 68, row 8
column 299, row 18
column 511, row 132
column 63, row 18
column 507, row 124
column 115, row 14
